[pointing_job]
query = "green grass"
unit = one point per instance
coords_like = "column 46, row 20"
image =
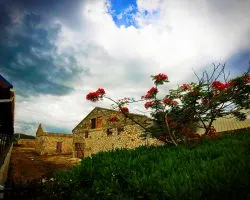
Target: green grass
column 217, row 169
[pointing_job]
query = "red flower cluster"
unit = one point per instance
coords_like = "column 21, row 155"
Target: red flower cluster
column 113, row 119
column 100, row 91
column 161, row 77
column 150, row 94
column 124, row 109
column 169, row 101
column 95, row 96
column 186, row 87
column 148, row 104
column 217, row 85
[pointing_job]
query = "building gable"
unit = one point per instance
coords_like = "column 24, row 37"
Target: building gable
column 40, row 130
column 99, row 117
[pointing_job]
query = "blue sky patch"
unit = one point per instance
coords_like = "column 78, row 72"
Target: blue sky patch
column 239, row 62
column 55, row 129
column 123, row 12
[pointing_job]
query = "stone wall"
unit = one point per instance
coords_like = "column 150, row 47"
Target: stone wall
column 129, row 138
column 98, row 139
column 27, row 142
column 47, row 144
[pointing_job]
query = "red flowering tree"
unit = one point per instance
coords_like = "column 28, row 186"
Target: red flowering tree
column 177, row 116
column 161, row 128
column 213, row 96
column 151, row 102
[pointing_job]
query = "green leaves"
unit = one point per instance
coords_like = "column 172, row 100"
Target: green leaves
column 239, row 115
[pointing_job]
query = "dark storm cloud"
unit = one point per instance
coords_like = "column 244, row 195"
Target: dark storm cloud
column 5, row 19
column 67, row 11
column 29, row 58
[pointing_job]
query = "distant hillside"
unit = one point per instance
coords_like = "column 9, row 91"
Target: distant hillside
column 24, row 136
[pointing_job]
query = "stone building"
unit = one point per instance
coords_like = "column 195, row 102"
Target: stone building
column 105, row 129
column 52, row 143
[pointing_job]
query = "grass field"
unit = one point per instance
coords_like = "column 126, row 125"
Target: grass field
column 215, row 169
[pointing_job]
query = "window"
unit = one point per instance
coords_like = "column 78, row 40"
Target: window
column 93, row 123
column 119, row 130
column 109, row 131
column 99, row 122
column 86, row 134
column 96, row 122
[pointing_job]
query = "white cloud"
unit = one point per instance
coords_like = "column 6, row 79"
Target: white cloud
column 62, row 112
column 183, row 36
column 148, row 5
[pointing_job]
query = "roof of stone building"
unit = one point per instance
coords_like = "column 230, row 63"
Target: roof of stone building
column 107, row 109
column 227, row 124
column 230, row 123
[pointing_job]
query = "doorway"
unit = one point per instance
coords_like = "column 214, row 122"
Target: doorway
column 79, row 150
column 58, row 147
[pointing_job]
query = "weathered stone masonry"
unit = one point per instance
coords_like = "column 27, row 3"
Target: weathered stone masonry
column 53, row 143
column 97, row 133
column 27, row 142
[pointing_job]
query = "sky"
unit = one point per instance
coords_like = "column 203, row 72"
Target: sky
column 55, row 52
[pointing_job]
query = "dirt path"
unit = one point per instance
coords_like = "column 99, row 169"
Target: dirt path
column 26, row 165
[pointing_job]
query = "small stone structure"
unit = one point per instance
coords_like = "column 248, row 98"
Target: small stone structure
column 105, row 129
column 52, row 143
